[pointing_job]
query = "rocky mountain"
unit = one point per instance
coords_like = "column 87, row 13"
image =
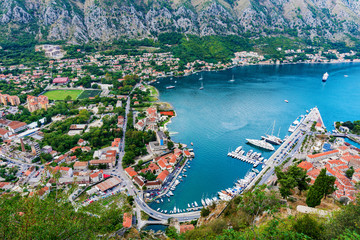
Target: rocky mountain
column 81, row 21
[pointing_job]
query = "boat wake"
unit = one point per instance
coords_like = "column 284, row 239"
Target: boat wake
column 231, row 126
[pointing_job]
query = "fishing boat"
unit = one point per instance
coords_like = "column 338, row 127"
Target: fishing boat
column 286, row 101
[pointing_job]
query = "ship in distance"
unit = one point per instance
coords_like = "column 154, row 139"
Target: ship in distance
column 325, row 77
column 261, row 144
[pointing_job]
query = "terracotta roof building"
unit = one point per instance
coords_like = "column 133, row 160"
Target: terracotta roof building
column 80, row 165
column 61, row 80
column 108, row 184
column 321, row 156
column 306, row 165
column 16, row 126
column 186, row 227
column 127, row 220
column 163, row 175
column 130, row 172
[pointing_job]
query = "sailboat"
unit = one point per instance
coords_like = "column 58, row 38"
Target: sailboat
column 232, row 80
column 201, row 78
column 202, row 86
column 271, row 138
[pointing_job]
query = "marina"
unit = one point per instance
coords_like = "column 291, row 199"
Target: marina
column 226, row 114
column 250, row 157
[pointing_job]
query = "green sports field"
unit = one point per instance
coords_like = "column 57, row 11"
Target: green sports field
column 89, row 93
column 62, row 94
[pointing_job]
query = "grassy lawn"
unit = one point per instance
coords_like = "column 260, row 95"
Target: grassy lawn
column 89, row 93
column 62, row 94
column 153, row 91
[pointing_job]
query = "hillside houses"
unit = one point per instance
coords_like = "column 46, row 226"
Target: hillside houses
column 161, row 167
column 336, row 163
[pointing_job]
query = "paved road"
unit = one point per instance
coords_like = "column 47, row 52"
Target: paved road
column 137, row 194
column 286, row 150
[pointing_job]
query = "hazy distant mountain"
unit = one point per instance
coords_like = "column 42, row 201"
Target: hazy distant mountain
column 103, row 20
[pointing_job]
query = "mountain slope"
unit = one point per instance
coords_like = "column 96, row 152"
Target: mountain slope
column 79, row 21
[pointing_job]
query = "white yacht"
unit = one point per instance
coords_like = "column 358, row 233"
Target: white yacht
column 261, row 143
column 325, row 77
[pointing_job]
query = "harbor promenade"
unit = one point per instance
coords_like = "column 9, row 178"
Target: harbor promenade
column 287, row 149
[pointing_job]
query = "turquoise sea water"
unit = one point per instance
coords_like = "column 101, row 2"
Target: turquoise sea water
column 222, row 115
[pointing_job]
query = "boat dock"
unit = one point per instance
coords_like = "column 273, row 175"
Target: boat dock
column 194, row 208
column 251, row 157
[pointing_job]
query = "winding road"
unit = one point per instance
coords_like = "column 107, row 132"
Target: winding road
column 137, row 194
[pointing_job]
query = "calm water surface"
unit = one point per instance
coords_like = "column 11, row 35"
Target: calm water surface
column 222, row 115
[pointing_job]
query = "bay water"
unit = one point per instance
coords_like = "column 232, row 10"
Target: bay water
column 221, row 116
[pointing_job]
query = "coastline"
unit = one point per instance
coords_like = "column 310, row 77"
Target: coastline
column 254, row 64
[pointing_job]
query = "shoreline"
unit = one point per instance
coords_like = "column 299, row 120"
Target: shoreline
column 250, row 64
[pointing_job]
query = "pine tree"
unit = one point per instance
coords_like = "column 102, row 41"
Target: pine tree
column 314, row 196
column 323, row 186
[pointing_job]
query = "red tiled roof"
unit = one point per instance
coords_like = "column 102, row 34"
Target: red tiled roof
column 80, row 164
column 187, row 153
column 343, row 148
column 95, row 174
column 139, row 181
column 336, row 162
column 306, row 165
column 162, row 176
column 2, row 184
column 153, row 167
column 16, row 124
column 314, row 173
column 184, row 228
column 61, row 80
column 167, row 113
column 161, row 163
column 323, row 154
column 127, row 220
column 3, row 131
column 109, row 183
column 130, row 171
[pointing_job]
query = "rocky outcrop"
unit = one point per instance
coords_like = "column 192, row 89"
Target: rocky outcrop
column 79, row 21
